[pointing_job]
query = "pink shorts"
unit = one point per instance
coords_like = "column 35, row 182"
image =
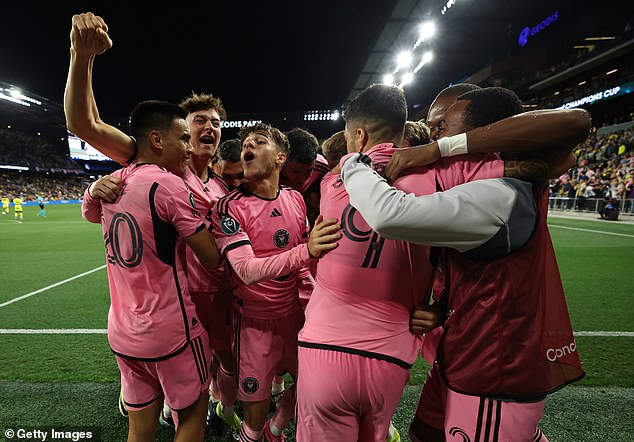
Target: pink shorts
column 214, row 311
column 347, row 397
column 474, row 417
column 179, row 379
column 264, row 347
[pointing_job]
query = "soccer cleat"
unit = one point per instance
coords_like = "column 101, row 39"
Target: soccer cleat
column 166, row 421
column 396, row 437
column 233, row 422
column 122, row 408
column 270, row 437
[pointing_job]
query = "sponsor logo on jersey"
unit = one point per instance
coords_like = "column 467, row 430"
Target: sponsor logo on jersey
column 552, row 354
column 281, row 238
column 229, row 226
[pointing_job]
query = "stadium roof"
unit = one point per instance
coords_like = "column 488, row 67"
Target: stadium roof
column 280, row 56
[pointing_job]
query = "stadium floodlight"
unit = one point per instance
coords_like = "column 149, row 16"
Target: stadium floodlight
column 426, row 30
column 407, row 79
column 426, row 58
column 388, row 79
column 403, row 60
column 335, row 115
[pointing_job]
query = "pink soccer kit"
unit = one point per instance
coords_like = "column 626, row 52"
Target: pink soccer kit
column 152, row 317
column 364, row 292
column 264, row 242
column 210, row 289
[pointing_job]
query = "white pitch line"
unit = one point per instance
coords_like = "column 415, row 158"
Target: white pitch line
column 28, row 295
column 53, row 331
column 102, row 331
column 592, row 231
column 605, row 334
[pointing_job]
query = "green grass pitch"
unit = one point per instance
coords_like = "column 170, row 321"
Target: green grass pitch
column 71, row 380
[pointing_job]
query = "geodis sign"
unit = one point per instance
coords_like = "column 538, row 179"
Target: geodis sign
column 528, row 32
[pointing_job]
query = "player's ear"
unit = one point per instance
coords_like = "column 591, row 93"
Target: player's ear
column 361, row 138
column 281, row 158
column 155, row 140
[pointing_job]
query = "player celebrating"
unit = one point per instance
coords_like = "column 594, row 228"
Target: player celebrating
column 261, row 229
column 160, row 345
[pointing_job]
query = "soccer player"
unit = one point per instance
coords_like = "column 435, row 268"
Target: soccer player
column 355, row 349
column 89, row 38
column 160, row 345
column 304, row 169
column 228, row 164
column 18, row 211
column 5, row 205
column 261, row 230
column 334, row 148
column 494, row 363
column 416, row 134
column 40, row 203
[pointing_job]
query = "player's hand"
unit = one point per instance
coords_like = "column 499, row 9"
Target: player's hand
column 324, row 236
column 407, row 157
column 106, row 188
column 89, row 34
column 423, row 320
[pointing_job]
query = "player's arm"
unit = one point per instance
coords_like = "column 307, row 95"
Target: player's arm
column 251, row 269
column 465, row 217
column 204, row 246
column 535, row 131
column 105, row 189
column 89, row 37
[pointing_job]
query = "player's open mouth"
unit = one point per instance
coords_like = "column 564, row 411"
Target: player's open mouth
column 248, row 156
column 207, row 140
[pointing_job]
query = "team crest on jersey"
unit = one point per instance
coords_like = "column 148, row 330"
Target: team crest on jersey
column 191, row 200
column 337, row 184
column 281, row 238
column 250, row 385
column 229, row 225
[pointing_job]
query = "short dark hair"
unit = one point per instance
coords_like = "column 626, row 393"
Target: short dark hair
column 154, row 114
column 198, row 102
column 230, row 150
column 379, row 107
column 303, row 145
column 490, row 104
column 455, row 90
column 275, row 134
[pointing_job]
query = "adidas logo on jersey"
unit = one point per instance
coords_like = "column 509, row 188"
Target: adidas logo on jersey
column 275, row 213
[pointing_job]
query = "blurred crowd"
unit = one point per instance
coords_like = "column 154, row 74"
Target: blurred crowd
column 604, row 171
column 19, row 149
column 29, row 186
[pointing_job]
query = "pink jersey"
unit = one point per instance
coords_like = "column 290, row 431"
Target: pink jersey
column 453, row 171
column 270, row 227
column 367, row 286
column 319, row 170
column 200, row 279
column 151, row 313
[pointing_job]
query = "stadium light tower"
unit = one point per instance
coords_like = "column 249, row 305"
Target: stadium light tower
column 426, row 30
column 403, row 60
column 407, row 79
column 426, row 58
